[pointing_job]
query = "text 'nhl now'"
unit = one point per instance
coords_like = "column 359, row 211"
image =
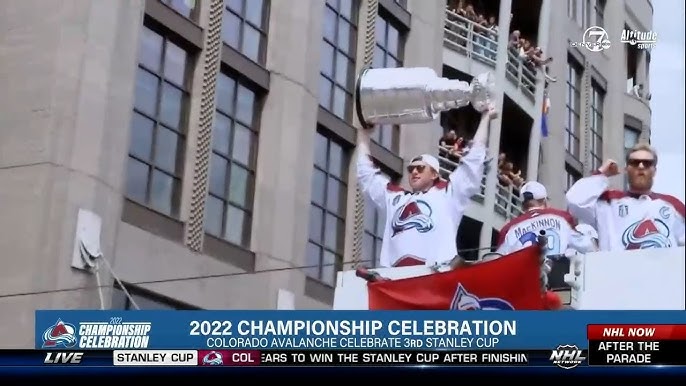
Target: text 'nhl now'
column 105, row 335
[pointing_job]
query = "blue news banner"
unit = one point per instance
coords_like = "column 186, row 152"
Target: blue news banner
column 190, row 339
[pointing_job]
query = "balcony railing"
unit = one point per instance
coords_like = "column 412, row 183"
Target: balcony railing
column 507, row 201
column 448, row 163
column 476, row 42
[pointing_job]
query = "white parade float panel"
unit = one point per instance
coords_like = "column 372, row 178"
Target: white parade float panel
column 649, row 279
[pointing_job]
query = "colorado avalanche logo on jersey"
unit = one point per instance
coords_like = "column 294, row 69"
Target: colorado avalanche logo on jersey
column 646, row 234
column 413, row 215
column 465, row 301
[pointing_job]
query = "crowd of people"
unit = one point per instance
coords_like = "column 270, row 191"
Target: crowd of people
column 485, row 27
column 531, row 55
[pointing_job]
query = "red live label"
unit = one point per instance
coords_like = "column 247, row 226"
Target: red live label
column 228, row 357
column 636, row 332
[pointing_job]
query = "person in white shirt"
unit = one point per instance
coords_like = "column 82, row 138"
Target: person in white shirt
column 634, row 219
column 538, row 218
column 421, row 224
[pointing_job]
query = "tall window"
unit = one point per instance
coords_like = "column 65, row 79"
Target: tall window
column 327, row 210
column 597, row 105
column 575, row 11
column 572, row 176
column 600, row 13
column 187, row 8
column 338, row 57
column 158, row 124
column 234, row 141
column 573, row 102
column 244, row 27
column 374, row 226
column 388, row 53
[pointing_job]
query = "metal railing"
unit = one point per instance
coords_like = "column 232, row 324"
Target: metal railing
column 448, row 163
column 507, row 201
column 476, row 42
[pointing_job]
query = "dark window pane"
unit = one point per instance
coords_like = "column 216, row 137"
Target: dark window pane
column 150, row 51
column 175, row 64
column 318, row 187
column 226, row 88
column 380, row 31
column 218, row 167
column 141, row 136
column 161, row 192
column 242, row 144
column 235, row 221
column 331, row 232
column 147, row 87
column 329, row 267
column 320, row 150
column 251, row 42
column 336, row 164
column 334, row 196
column 316, row 224
column 313, row 259
column 231, row 29
column 253, row 12
column 238, row 186
column 392, row 44
column 330, row 23
column 344, row 36
column 221, row 134
column 327, row 56
column 214, row 215
column 342, row 69
column 170, row 108
column 236, row 5
column 245, row 104
column 325, row 89
column 339, row 102
column 166, row 150
column 379, row 58
column 137, row 180
column 345, row 7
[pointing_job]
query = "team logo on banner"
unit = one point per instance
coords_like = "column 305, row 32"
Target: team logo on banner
column 465, row 301
column 60, row 335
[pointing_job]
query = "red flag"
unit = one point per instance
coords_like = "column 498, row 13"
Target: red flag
column 509, row 283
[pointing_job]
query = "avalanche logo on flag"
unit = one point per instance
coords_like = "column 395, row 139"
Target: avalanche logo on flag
column 465, row 301
column 60, row 335
column 413, row 215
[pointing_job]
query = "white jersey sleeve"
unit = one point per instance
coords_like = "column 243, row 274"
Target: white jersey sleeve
column 583, row 196
column 465, row 181
column 372, row 183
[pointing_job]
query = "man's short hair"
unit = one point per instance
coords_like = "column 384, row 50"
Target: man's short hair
column 639, row 147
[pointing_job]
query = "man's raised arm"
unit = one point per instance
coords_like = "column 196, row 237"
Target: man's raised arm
column 372, row 183
column 465, row 181
column 582, row 197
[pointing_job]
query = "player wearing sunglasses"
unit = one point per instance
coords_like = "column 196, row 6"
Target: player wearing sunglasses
column 421, row 224
column 637, row 218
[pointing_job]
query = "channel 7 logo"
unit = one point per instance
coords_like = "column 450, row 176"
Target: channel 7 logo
column 567, row 356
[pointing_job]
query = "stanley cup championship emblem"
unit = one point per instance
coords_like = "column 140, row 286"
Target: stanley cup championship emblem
column 415, row 95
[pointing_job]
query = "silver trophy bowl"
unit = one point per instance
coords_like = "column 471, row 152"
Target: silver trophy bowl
column 398, row 96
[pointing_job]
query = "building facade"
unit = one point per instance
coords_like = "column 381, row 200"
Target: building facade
column 214, row 140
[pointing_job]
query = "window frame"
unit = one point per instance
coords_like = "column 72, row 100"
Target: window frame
column 263, row 30
column 389, row 23
column 323, row 209
column 597, row 123
column 600, row 12
column 350, row 56
column 181, row 132
column 192, row 12
column 571, row 176
column 231, row 162
column 573, row 111
column 139, row 293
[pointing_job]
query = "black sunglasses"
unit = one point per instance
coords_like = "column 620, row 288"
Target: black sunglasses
column 420, row 168
column 634, row 162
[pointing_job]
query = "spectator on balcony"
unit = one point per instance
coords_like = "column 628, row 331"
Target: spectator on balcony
column 452, row 145
column 459, row 26
column 422, row 223
column 539, row 219
column 504, row 174
column 480, row 33
column 492, row 34
column 513, row 43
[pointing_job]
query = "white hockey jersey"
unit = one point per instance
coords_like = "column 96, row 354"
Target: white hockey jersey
column 559, row 227
column 421, row 228
column 624, row 220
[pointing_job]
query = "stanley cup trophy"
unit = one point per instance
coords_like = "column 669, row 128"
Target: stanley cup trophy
column 415, row 95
